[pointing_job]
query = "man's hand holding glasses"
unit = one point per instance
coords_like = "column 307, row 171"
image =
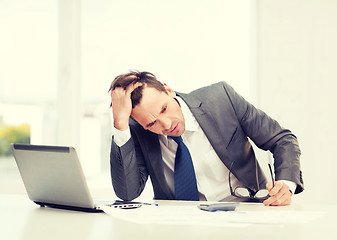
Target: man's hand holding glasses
column 280, row 195
column 276, row 194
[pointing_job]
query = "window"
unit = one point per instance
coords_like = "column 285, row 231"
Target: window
column 27, row 77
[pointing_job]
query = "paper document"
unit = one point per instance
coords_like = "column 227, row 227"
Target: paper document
column 192, row 215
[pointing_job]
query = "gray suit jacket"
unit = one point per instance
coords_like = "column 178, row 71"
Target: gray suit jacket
column 227, row 120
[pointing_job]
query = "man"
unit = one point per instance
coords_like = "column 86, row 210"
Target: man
column 214, row 123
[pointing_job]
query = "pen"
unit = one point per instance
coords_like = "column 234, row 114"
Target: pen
column 271, row 173
column 151, row 204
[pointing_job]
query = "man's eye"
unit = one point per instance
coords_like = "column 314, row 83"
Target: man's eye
column 151, row 124
column 164, row 109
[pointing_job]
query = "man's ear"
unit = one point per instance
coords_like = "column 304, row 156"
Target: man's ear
column 169, row 91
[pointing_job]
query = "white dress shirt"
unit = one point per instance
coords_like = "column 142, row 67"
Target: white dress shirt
column 211, row 173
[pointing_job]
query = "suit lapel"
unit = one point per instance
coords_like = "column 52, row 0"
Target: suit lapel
column 218, row 136
column 209, row 127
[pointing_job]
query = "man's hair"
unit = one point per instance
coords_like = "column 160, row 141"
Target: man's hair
column 148, row 79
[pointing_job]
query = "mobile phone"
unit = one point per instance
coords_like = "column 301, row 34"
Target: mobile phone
column 218, row 207
column 126, row 204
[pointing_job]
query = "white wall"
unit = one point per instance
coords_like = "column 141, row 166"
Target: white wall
column 297, row 82
column 69, row 74
column 187, row 44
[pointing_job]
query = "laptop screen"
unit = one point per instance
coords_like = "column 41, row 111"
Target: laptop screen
column 52, row 174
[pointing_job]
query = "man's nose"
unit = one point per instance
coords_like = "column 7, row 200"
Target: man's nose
column 166, row 123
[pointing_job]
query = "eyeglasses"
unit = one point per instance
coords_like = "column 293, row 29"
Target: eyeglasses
column 243, row 192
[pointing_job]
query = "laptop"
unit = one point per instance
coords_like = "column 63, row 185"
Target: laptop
column 53, row 177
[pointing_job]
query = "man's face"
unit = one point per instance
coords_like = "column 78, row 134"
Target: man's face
column 159, row 112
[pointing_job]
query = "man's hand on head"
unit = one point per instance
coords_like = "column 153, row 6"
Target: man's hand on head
column 280, row 195
column 122, row 106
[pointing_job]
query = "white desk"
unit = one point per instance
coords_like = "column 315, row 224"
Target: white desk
column 22, row 219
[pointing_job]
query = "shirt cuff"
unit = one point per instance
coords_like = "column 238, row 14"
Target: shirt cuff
column 292, row 185
column 121, row 137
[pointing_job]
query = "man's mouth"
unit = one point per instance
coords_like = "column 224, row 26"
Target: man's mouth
column 174, row 129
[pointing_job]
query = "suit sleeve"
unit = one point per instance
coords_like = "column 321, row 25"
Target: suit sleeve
column 128, row 170
column 267, row 134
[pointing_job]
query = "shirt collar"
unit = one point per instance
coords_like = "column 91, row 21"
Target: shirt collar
column 190, row 122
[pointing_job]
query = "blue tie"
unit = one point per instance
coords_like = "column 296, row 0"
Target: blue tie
column 185, row 183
